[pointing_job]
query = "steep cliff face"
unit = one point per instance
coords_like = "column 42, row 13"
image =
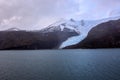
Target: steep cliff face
column 105, row 35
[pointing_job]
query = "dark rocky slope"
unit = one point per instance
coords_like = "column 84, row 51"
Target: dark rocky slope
column 27, row 40
column 105, row 35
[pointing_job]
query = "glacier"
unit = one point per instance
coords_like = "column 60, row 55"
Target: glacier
column 83, row 29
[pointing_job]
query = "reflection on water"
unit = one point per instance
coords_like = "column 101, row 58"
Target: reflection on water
column 60, row 65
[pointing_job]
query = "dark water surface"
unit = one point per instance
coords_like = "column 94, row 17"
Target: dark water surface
column 60, row 65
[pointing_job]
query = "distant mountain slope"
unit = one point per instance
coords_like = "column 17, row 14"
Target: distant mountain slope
column 18, row 40
column 105, row 35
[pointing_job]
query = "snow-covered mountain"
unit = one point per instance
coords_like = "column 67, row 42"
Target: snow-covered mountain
column 63, row 25
column 84, row 26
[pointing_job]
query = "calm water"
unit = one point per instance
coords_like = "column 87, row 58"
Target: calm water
column 60, row 65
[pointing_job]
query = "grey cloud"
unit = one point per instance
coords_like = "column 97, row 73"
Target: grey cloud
column 33, row 11
column 37, row 7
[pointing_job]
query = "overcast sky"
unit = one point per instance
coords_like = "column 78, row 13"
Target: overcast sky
column 36, row 14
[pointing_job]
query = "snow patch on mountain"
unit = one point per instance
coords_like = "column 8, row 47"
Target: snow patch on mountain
column 13, row 29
